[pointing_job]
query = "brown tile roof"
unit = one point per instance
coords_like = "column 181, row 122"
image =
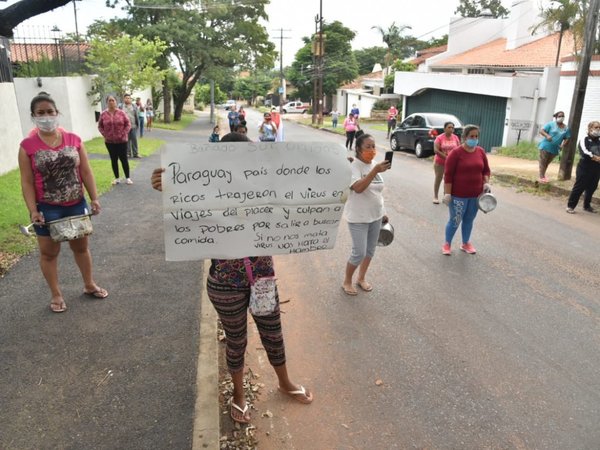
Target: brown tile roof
column 427, row 53
column 536, row 54
column 357, row 84
column 35, row 52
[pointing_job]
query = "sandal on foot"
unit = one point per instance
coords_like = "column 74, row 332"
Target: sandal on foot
column 301, row 395
column 350, row 291
column 364, row 285
column 58, row 307
column 97, row 293
column 244, row 418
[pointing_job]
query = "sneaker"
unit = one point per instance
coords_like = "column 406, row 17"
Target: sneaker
column 570, row 211
column 589, row 209
column 128, row 181
column 116, row 181
column 468, row 248
column 446, row 249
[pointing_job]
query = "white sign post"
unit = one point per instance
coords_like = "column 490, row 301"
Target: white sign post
column 234, row 199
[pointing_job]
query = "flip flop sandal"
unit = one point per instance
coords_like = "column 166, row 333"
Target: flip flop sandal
column 58, row 307
column 243, row 411
column 349, row 291
column 365, row 285
column 299, row 395
column 98, row 293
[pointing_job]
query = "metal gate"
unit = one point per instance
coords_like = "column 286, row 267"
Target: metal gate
column 483, row 110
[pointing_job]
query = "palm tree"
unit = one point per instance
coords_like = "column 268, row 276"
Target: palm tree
column 392, row 38
column 567, row 15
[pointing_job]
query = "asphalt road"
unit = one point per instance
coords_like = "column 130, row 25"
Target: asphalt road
column 497, row 350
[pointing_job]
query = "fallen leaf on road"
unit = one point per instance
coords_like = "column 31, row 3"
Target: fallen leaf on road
column 268, row 414
column 378, row 382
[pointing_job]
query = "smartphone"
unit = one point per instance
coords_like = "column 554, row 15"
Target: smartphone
column 389, row 156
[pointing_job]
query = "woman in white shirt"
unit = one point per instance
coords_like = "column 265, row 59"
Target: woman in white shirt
column 364, row 212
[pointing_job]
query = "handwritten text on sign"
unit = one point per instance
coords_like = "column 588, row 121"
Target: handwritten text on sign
column 236, row 199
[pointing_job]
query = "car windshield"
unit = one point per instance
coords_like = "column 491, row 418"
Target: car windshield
column 438, row 120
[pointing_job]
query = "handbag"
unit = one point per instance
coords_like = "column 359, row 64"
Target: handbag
column 263, row 293
column 70, row 228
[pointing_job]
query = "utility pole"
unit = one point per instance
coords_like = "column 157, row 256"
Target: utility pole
column 591, row 23
column 320, row 65
column 315, row 74
column 281, row 77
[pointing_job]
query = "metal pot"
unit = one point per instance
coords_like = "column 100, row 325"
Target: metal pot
column 386, row 235
column 487, row 202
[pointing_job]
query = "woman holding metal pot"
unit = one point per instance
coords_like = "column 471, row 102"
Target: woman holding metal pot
column 54, row 172
column 364, row 211
column 466, row 176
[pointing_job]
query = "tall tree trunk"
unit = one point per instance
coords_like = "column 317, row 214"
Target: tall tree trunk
column 560, row 38
column 166, row 101
column 13, row 15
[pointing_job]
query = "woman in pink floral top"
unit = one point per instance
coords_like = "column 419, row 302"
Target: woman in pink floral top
column 442, row 145
column 114, row 126
column 228, row 289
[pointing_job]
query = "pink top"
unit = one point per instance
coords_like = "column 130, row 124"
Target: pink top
column 114, row 127
column 465, row 171
column 446, row 145
column 56, row 173
column 349, row 124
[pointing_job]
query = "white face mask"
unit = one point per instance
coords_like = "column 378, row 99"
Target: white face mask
column 47, row 124
column 595, row 133
column 560, row 119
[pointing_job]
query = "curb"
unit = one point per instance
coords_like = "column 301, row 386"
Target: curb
column 206, row 429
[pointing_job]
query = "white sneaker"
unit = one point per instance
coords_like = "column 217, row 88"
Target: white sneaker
column 116, row 181
column 128, row 181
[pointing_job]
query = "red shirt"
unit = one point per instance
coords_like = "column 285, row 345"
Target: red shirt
column 446, row 145
column 465, row 171
column 114, row 127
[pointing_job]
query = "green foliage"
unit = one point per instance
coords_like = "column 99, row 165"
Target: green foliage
column 366, row 58
column 437, row 42
column 567, row 15
column 524, row 150
column 124, row 63
column 340, row 64
column 473, row 8
column 203, row 95
column 44, row 67
column 384, row 104
column 398, row 66
column 258, row 83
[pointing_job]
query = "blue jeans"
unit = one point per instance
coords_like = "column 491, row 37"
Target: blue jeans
column 141, row 122
column 55, row 212
column 462, row 211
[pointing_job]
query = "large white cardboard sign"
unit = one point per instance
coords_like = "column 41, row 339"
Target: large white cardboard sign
column 235, row 199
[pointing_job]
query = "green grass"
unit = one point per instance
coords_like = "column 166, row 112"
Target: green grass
column 186, row 120
column 529, row 150
column 13, row 211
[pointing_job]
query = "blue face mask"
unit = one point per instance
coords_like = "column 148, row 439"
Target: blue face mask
column 472, row 142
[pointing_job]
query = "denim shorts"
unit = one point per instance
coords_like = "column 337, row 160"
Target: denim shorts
column 55, row 212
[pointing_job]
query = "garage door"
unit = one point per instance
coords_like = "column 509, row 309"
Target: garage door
column 486, row 111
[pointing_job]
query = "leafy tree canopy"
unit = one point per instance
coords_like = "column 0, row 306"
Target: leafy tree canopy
column 124, row 63
column 368, row 57
column 474, row 8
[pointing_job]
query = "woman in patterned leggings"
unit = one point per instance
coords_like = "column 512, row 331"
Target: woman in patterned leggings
column 228, row 289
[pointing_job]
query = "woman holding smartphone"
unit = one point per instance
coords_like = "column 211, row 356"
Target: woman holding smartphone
column 364, row 211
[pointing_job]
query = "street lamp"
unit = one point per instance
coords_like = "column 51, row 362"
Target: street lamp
column 57, row 30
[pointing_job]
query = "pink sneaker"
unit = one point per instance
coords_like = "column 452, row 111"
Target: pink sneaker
column 446, row 249
column 468, row 248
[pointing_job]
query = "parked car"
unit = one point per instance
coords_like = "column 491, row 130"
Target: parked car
column 295, row 107
column 228, row 104
column 418, row 131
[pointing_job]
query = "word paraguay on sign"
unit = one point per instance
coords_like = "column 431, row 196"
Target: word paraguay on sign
column 235, row 199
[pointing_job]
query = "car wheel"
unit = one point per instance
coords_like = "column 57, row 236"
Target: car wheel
column 419, row 151
column 285, row 111
column 394, row 143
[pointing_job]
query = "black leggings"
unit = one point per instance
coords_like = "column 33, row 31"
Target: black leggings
column 588, row 175
column 118, row 152
column 350, row 139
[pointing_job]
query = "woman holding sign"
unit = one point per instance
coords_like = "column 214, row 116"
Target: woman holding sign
column 228, row 287
column 364, row 212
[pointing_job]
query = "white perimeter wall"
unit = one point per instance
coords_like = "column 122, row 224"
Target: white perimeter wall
column 77, row 113
column 11, row 133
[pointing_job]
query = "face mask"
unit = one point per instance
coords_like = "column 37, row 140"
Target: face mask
column 368, row 156
column 595, row 133
column 472, row 142
column 560, row 119
column 47, row 124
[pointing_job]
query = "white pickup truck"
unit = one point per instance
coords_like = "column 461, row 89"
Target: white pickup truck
column 295, row 107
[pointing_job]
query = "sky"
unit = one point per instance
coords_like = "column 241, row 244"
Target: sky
column 427, row 18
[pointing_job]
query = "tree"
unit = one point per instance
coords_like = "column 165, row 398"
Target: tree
column 220, row 34
column 566, row 15
column 258, row 83
column 13, row 15
column 392, row 38
column 340, row 64
column 474, row 8
column 398, row 66
column 368, row 57
column 124, row 64
column 202, row 95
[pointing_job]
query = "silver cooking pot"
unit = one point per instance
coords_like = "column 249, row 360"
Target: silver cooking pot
column 487, row 202
column 386, row 235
